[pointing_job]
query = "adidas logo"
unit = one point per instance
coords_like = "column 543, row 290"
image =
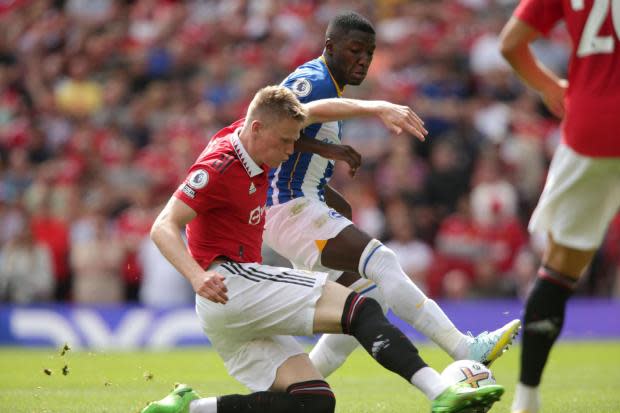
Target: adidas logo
column 378, row 345
column 252, row 188
column 546, row 327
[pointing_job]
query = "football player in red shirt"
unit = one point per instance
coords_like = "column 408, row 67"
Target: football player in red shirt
column 250, row 311
column 582, row 192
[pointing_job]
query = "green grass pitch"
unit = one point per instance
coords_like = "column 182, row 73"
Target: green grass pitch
column 581, row 377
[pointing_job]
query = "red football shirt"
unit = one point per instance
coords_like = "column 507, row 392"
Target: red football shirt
column 591, row 125
column 228, row 191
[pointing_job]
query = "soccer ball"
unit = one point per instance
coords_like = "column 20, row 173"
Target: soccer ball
column 468, row 371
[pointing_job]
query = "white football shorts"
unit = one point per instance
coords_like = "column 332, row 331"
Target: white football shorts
column 580, row 198
column 299, row 229
column 266, row 306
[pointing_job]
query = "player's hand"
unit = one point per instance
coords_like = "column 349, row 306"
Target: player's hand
column 554, row 97
column 399, row 118
column 343, row 153
column 210, row 285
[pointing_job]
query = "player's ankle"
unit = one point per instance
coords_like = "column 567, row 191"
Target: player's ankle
column 461, row 350
column 526, row 398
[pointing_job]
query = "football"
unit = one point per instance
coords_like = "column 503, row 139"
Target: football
column 468, row 371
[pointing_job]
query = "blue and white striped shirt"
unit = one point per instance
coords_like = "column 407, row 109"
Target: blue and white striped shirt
column 306, row 174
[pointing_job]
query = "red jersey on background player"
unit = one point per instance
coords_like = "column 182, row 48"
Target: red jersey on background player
column 582, row 192
column 592, row 117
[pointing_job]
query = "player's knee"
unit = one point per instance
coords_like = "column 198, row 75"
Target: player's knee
column 380, row 255
column 376, row 295
column 359, row 310
column 313, row 397
column 370, row 308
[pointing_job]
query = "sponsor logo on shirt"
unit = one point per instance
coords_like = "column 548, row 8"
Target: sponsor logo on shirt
column 188, row 191
column 256, row 215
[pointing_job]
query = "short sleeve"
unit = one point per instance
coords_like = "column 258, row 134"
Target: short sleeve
column 542, row 15
column 303, row 86
column 200, row 190
column 309, row 83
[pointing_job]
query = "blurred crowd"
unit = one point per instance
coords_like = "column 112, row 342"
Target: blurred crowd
column 104, row 105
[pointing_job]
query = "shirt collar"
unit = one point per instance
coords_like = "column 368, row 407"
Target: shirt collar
column 250, row 166
column 338, row 90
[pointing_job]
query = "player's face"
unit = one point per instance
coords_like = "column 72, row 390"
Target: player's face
column 351, row 57
column 277, row 141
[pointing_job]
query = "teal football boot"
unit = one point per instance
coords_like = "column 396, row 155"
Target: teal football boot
column 486, row 347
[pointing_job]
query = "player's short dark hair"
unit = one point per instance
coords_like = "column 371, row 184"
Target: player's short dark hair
column 343, row 23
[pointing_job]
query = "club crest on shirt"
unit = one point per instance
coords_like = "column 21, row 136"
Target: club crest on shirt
column 252, row 188
column 198, row 179
column 301, row 87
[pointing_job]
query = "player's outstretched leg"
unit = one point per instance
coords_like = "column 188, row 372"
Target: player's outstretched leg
column 331, row 351
column 363, row 318
column 380, row 264
column 177, row 401
column 314, row 396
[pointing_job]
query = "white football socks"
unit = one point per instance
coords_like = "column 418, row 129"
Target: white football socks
column 379, row 264
column 206, row 405
column 526, row 399
column 333, row 349
column 429, row 382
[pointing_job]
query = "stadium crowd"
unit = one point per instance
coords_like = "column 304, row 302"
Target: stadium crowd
column 104, row 104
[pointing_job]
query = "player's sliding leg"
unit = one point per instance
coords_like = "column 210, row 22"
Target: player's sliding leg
column 363, row 318
column 338, row 310
column 380, row 265
column 305, row 397
column 331, row 351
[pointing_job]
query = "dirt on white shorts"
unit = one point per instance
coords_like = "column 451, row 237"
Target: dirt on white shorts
column 266, row 306
column 581, row 197
column 299, row 229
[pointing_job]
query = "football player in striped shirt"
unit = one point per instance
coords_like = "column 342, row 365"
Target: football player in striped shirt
column 303, row 227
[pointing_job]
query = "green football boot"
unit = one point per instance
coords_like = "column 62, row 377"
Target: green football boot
column 460, row 398
column 176, row 402
column 486, row 347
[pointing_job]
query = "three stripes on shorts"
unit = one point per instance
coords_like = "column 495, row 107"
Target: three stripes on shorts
column 256, row 275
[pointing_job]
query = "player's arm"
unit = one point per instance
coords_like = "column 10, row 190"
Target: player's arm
column 397, row 118
column 515, row 42
column 333, row 151
column 166, row 234
column 335, row 200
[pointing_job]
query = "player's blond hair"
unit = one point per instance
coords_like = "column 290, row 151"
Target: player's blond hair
column 276, row 102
